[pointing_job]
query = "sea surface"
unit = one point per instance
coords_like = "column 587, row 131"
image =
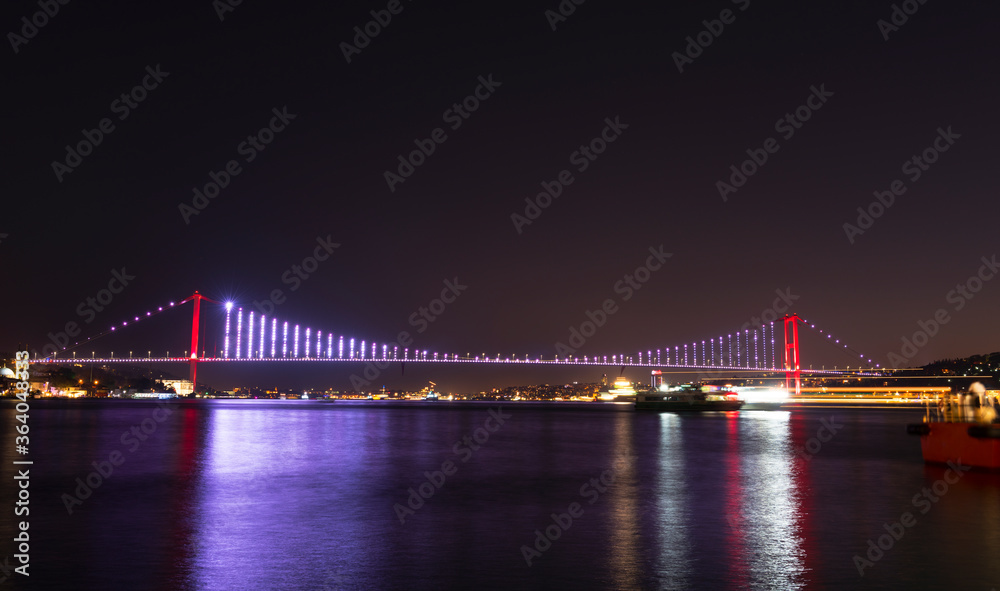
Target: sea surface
column 310, row 495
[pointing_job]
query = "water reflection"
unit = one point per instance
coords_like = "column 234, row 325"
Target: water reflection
column 625, row 547
column 272, row 485
column 769, row 523
column 673, row 562
column 736, row 544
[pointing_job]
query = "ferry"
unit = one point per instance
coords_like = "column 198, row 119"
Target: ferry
column 961, row 427
column 686, row 398
column 620, row 391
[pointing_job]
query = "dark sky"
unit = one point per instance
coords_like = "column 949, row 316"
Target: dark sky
column 655, row 186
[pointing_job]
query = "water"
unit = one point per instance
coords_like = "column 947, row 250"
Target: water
column 301, row 495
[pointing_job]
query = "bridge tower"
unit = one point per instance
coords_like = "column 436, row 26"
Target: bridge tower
column 196, row 298
column 792, row 367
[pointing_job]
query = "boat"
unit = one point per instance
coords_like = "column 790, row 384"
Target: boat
column 620, row 391
column 961, row 428
column 686, row 398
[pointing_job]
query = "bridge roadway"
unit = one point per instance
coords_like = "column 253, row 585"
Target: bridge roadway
column 456, row 359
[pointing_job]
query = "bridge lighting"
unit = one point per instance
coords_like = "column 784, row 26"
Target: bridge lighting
column 250, row 336
column 229, row 306
column 340, row 349
column 329, row 346
column 319, row 344
column 274, row 333
column 756, row 361
column 295, row 347
column 263, row 327
column 284, row 342
column 362, row 350
column 239, row 330
column 307, row 342
column 352, row 349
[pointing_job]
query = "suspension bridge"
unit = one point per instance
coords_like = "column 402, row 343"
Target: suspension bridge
column 252, row 337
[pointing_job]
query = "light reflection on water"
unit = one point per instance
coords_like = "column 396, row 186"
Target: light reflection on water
column 301, row 495
column 770, row 503
column 673, row 565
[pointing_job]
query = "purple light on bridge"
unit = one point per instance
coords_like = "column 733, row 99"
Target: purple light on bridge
column 284, row 342
column 239, row 330
column 362, row 350
column 263, row 328
column 774, row 362
column 340, row 349
column 295, row 346
column 352, row 349
column 250, row 336
column 319, row 344
column 737, row 349
column 307, row 342
column 225, row 341
column 746, row 339
column 329, row 346
column 274, row 334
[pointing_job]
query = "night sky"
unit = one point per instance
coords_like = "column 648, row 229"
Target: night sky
column 864, row 99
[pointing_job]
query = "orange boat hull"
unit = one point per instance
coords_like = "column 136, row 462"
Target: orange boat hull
column 952, row 442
